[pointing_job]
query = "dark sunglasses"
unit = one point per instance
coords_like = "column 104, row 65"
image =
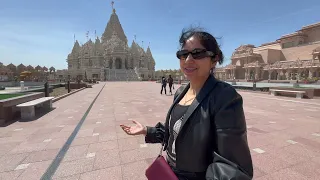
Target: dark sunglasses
column 196, row 54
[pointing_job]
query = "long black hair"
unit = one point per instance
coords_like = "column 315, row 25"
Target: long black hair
column 206, row 40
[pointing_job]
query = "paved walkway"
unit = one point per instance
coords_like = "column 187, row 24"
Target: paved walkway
column 284, row 136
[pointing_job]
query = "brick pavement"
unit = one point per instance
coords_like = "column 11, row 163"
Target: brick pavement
column 283, row 133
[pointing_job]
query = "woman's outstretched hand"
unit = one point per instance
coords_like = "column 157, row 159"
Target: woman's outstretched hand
column 135, row 129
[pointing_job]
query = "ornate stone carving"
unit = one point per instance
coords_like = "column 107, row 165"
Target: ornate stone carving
column 79, row 64
column 276, row 65
column 316, row 51
column 231, row 66
column 102, row 53
column 298, row 63
column 114, row 42
column 254, row 64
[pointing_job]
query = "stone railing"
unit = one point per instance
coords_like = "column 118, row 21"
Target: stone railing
column 254, row 64
column 299, row 64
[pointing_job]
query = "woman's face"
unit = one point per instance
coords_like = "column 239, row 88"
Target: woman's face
column 195, row 69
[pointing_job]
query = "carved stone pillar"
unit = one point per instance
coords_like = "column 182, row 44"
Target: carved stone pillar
column 317, row 73
column 249, row 74
column 233, row 74
column 246, row 74
column 262, row 73
column 278, row 75
column 113, row 63
column 299, row 74
column 269, row 75
column 288, row 73
column 257, row 73
column 123, row 64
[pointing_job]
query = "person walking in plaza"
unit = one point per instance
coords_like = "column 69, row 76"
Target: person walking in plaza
column 204, row 134
column 163, row 85
column 170, row 82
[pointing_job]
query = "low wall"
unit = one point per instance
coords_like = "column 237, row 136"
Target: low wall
column 8, row 108
column 66, row 95
column 76, row 85
column 264, row 84
column 26, row 83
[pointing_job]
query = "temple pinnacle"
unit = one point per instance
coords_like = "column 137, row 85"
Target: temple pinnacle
column 113, row 9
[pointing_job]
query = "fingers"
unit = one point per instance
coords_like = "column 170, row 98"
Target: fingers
column 135, row 122
column 126, row 129
column 123, row 126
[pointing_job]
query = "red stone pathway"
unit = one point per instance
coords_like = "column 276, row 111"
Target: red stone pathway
column 284, row 136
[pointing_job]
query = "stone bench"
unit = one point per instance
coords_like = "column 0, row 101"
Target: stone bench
column 28, row 108
column 299, row 94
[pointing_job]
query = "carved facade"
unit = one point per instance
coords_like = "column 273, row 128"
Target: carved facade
column 11, row 72
column 5, row 73
column 110, row 58
column 176, row 74
column 292, row 57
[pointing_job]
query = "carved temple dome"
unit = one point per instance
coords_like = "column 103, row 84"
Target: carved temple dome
column 114, row 25
column 244, row 48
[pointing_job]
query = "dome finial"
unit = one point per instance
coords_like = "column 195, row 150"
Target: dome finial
column 113, row 10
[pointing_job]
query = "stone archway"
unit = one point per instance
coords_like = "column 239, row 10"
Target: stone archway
column 126, row 64
column 118, row 63
column 132, row 63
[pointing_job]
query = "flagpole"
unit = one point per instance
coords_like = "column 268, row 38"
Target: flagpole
column 87, row 35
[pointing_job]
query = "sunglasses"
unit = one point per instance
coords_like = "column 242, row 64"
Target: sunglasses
column 196, row 54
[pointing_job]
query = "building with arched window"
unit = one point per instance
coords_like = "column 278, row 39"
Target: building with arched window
column 293, row 56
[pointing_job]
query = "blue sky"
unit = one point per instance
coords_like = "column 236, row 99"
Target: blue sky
column 41, row 31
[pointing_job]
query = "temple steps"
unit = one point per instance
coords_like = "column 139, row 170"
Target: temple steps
column 121, row 75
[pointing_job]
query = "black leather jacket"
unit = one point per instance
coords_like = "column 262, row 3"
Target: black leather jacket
column 213, row 135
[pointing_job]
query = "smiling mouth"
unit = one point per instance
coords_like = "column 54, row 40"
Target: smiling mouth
column 190, row 69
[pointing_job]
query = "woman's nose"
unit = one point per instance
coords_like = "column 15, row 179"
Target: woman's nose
column 189, row 58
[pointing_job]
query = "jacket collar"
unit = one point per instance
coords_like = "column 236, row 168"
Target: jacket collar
column 205, row 90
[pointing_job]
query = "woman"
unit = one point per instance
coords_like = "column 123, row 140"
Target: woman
column 205, row 130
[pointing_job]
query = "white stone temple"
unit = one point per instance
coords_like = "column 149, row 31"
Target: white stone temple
column 110, row 58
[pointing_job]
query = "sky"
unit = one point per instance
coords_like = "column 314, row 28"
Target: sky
column 41, row 32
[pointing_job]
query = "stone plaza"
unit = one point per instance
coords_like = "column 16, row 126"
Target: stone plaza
column 283, row 135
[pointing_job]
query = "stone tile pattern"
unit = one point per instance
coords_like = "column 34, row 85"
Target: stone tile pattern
column 283, row 134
